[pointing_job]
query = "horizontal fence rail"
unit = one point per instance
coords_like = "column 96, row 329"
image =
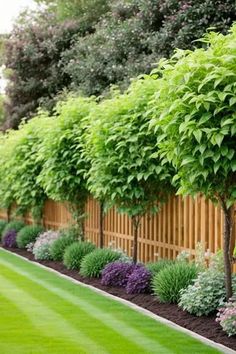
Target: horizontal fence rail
column 180, row 225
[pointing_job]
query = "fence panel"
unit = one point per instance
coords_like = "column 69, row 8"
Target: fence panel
column 181, row 223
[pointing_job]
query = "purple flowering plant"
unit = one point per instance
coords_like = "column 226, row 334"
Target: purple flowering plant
column 139, row 281
column 118, row 273
column 9, row 239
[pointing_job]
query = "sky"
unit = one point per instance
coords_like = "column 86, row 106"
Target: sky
column 9, row 9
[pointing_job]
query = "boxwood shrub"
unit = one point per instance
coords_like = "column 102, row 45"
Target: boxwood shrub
column 27, row 235
column 93, row 263
column 169, row 281
column 75, row 252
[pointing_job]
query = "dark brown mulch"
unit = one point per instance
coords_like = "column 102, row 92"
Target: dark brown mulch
column 205, row 325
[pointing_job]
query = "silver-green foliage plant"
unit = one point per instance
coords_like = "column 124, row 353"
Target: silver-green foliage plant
column 205, row 295
column 194, row 116
column 125, row 168
column 62, row 154
column 75, row 253
column 168, row 282
column 93, row 263
column 41, row 248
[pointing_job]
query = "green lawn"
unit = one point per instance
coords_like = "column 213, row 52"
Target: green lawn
column 40, row 312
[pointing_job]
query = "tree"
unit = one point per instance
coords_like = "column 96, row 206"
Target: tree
column 21, row 167
column 87, row 13
column 194, row 114
column 32, row 57
column 62, row 155
column 125, row 168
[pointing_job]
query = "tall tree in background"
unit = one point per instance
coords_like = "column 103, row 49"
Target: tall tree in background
column 32, row 58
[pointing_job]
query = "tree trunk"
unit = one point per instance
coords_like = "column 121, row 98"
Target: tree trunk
column 136, row 224
column 101, row 221
column 9, row 214
column 228, row 225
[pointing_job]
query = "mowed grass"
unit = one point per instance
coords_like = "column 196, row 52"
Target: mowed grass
column 41, row 312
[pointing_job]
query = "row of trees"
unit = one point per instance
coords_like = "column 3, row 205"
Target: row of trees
column 87, row 46
column 173, row 129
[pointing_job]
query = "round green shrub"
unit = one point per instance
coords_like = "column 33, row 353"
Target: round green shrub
column 27, row 235
column 156, row 267
column 3, row 224
column 75, row 253
column 93, row 263
column 59, row 246
column 169, row 281
column 16, row 225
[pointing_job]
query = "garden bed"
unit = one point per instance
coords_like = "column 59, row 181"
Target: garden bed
column 204, row 325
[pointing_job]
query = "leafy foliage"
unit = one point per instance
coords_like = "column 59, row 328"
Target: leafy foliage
column 139, row 281
column 61, row 152
column 59, row 246
column 3, row 224
column 41, row 248
column 124, row 165
column 9, row 239
column 16, row 225
column 155, row 267
column 169, row 281
column 75, row 253
column 196, row 113
column 117, row 273
column 21, row 166
column 27, row 235
column 93, row 263
column 227, row 317
column 205, row 295
column 32, row 58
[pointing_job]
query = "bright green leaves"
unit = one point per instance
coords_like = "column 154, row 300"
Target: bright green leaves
column 62, row 152
column 125, row 166
column 200, row 129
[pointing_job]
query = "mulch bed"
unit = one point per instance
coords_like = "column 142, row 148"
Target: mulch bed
column 204, row 325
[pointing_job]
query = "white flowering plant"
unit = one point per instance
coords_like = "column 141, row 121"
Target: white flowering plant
column 41, row 248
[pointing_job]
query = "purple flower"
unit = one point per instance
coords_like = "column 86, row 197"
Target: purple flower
column 117, row 273
column 139, row 281
column 9, row 239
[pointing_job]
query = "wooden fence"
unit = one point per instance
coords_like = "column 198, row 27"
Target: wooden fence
column 179, row 226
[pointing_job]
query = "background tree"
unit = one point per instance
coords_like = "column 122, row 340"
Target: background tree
column 90, row 45
column 62, row 156
column 195, row 109
column 125, row 168
column 32, row 58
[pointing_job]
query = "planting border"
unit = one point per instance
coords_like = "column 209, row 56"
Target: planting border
column 148, row 313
